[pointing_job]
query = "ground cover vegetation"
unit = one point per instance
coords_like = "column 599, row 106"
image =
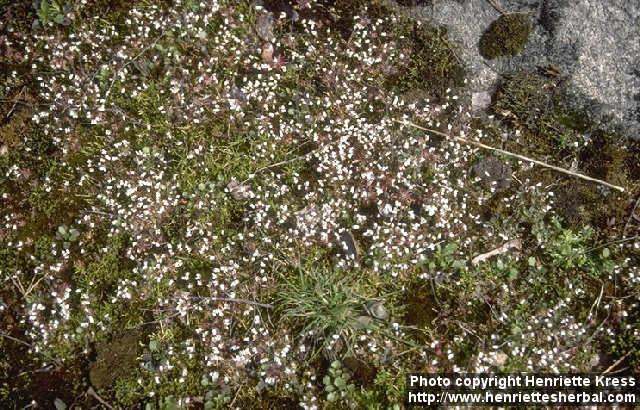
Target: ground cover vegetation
column 212, row 204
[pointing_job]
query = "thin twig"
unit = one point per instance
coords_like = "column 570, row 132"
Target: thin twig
column 497, row 6
column 277, row 164
column 631, row 216
column 15, row 339
column 613, row 366
column 92, row 393
column 596, row 303
column 233, row 300
column 471, row 332
column 16, row 100
column 288, row 161
column 522, row 157
column 618, row 242
column 504, row 248
column 433, row 290
column 144, row 50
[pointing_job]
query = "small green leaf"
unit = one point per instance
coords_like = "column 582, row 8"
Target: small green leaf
column 532, row 261
column 606, row 253
column 458, row 264
column 450, row 248
column 154, row 346
column 332, row 397
column 59, row 404
column 73, row 235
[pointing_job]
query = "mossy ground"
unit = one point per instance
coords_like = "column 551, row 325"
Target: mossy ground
column 458, row 303
column 505, row 36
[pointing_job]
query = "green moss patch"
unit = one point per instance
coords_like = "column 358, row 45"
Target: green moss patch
column 115, row 359
column 433, row 65
column 506, row 36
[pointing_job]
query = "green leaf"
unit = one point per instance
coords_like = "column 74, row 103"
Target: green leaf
column 73, row 235
column 450, row 248
column 606, row 253
column 154, row 346
column 59, row 404
column 170, row 403
column 532, row 261
column 332, row 397
column 43, row 13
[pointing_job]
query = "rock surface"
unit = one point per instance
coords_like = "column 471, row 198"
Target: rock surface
column 595, row 44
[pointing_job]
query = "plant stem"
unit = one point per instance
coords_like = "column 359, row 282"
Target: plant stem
column 511, row 154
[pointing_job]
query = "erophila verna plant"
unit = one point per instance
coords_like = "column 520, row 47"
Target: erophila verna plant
column 207, row 203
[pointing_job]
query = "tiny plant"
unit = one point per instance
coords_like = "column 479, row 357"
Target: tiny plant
column 67, row 234
column 336, row 383
column 324, row 305
column 50, row 11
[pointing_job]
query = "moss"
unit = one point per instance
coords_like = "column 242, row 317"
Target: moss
column 538, row 107
column 115, row 359
column 420, row 305
column 506, row 36
column 433, row 65
column 103, row 274
column 336, row 14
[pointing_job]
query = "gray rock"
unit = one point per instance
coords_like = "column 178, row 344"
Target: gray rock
column 264, row 26
column 347, row 245
column 595, row 44
column 480, row 100
column 238, row 191
column 364, row 322
column 376, row 309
